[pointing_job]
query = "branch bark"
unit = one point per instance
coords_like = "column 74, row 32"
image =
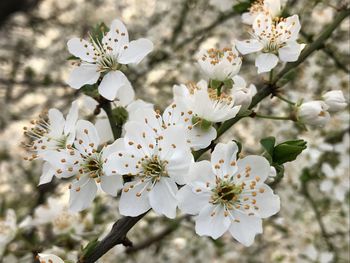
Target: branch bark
column 123, row 225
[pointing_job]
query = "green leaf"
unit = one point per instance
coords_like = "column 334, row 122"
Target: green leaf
column 214, row 84
column 120, row 115
column 242, row 7
column 268, row 144
column 72, row 57
column 99, row 31
column 288, row 151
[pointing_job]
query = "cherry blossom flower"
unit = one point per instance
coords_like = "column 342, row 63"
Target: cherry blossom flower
column 88, row 163
column 56, row 212
column 8, row 229
column 49, row 258
column 271, row 8
column 335, row 100
column 51, row 132
column 205, row 103
column 227, row 194
column 157, row 160
column 314, row 113
column 105, row 59
column 241, row 93
column 274, row 39
column 220, row 64
column 177, row 114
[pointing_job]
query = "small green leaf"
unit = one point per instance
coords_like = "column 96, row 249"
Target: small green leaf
column 214, row 84
column 99, row 31
column 242, row 7
column 72, row 57
column 120, row 115
column 268, row 144
column 288, row 151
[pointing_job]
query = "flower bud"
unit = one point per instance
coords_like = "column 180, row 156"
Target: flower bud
column 242, row 94
column 220, row 64
column 335, row 100
column 314, row 113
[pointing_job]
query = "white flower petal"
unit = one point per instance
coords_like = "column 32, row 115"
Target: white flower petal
column 116, row 146
column 245, row 230
column 136, row 50
column 83, row 75
column 111, row 184
column 211, row 221
column 163, row 197
column 223, row 159
column 71, row 119
column 133, row 202
column 265, row 62
column 125, row 95
column 258, row 167
column 111, row 83
column 87, row 139
column 267, row 202
column 82, row 193
column 56, row 121
column 190, row 202
column 117, row 37
column 248, row 46
column 47, row 174
column 81, row 49
column 262, row 25
column 201, row 172
column 290, row 52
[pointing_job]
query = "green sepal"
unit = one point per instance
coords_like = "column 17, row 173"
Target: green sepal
column 288, row 151
column 120, row 115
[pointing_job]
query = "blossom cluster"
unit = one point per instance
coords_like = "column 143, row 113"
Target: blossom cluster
column 152, row 166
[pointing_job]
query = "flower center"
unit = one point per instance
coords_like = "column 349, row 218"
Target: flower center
column 38, row 136
column 226, row 193
column 154, row 168
column 104, row 56
column 222, row 97
column 92, row 166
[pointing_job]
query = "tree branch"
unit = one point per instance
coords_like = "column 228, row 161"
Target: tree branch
column 123, row 225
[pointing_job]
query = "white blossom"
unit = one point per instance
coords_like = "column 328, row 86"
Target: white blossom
column 56, row 212
column 220, row 64
column 313, row 113
column 242, row 94
column 157, row 160
column 205, row 103
column 227, row 194
column 177, row 114
column 270, row 8
column 275, row 40
column 88, row 163
column 51, row 131
column 335, row 100
column 105, row 59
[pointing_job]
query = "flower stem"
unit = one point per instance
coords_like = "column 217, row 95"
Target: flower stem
column 285, row 100
column 272, row 117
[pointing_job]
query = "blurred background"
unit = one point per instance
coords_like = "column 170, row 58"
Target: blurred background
column 313, row 224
